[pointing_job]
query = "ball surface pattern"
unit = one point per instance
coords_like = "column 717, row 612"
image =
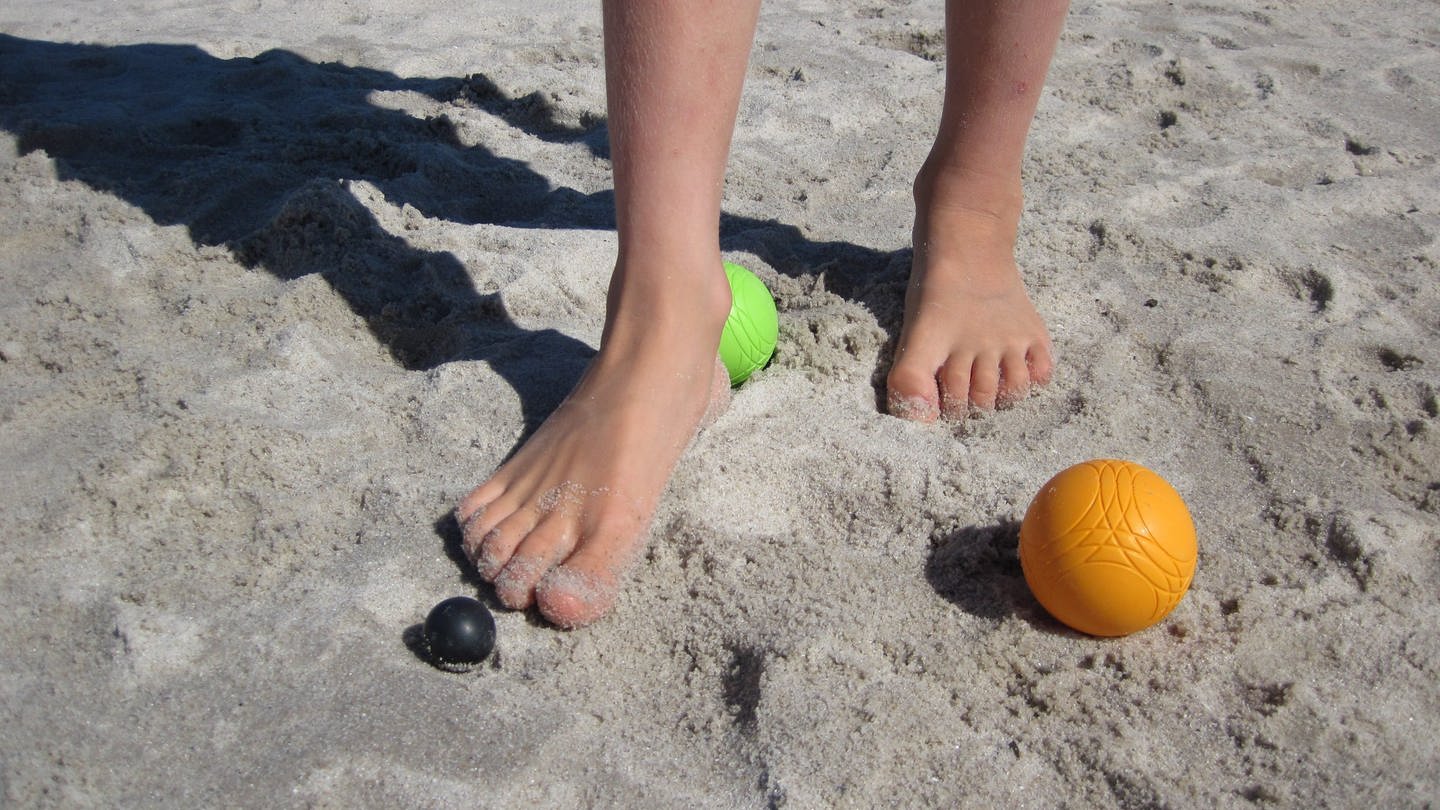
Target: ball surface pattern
column 1108, row 547
column 751, row 329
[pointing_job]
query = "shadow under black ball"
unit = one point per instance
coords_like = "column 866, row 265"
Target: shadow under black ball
column 459, row 632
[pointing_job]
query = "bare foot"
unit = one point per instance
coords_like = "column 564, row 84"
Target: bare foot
column 558, row 523
column 971, row 339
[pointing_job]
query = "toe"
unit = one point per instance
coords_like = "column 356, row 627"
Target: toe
column 1014, row 380
column 470, row 530
column 984, row 382
column 491, row 550
column 479, row 497
column 548, row 544
column 478, row 513
column 515, row 585
column 1041, row 362
column 912, row 392
column 955, row 388
column 572, row 597
column 583, row 589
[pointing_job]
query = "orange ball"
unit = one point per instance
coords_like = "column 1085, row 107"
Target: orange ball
column 1108, row 547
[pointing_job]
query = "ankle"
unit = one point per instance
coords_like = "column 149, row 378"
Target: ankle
column 670, row 296
column 977, row 194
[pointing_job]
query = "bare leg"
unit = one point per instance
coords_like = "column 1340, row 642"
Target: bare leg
column 971, row 338
column 557, row 524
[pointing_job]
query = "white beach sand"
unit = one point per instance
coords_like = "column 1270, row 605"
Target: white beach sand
column 282, row 281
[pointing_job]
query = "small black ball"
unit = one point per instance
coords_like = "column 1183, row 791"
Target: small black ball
column 459, row 631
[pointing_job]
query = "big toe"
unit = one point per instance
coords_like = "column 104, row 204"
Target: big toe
column 570, row 597
column 912, row 393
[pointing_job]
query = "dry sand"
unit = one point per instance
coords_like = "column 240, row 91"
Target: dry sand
column 282, row 281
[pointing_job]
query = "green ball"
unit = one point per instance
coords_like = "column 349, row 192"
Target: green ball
column 750, row 333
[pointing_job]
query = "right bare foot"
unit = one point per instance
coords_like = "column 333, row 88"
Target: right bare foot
column 971, row 341
column 558, row 523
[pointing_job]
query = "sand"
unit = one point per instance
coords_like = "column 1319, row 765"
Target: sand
column 283, row 281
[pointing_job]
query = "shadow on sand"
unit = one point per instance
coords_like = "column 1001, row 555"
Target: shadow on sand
column 254, row 154
column 978, row 569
